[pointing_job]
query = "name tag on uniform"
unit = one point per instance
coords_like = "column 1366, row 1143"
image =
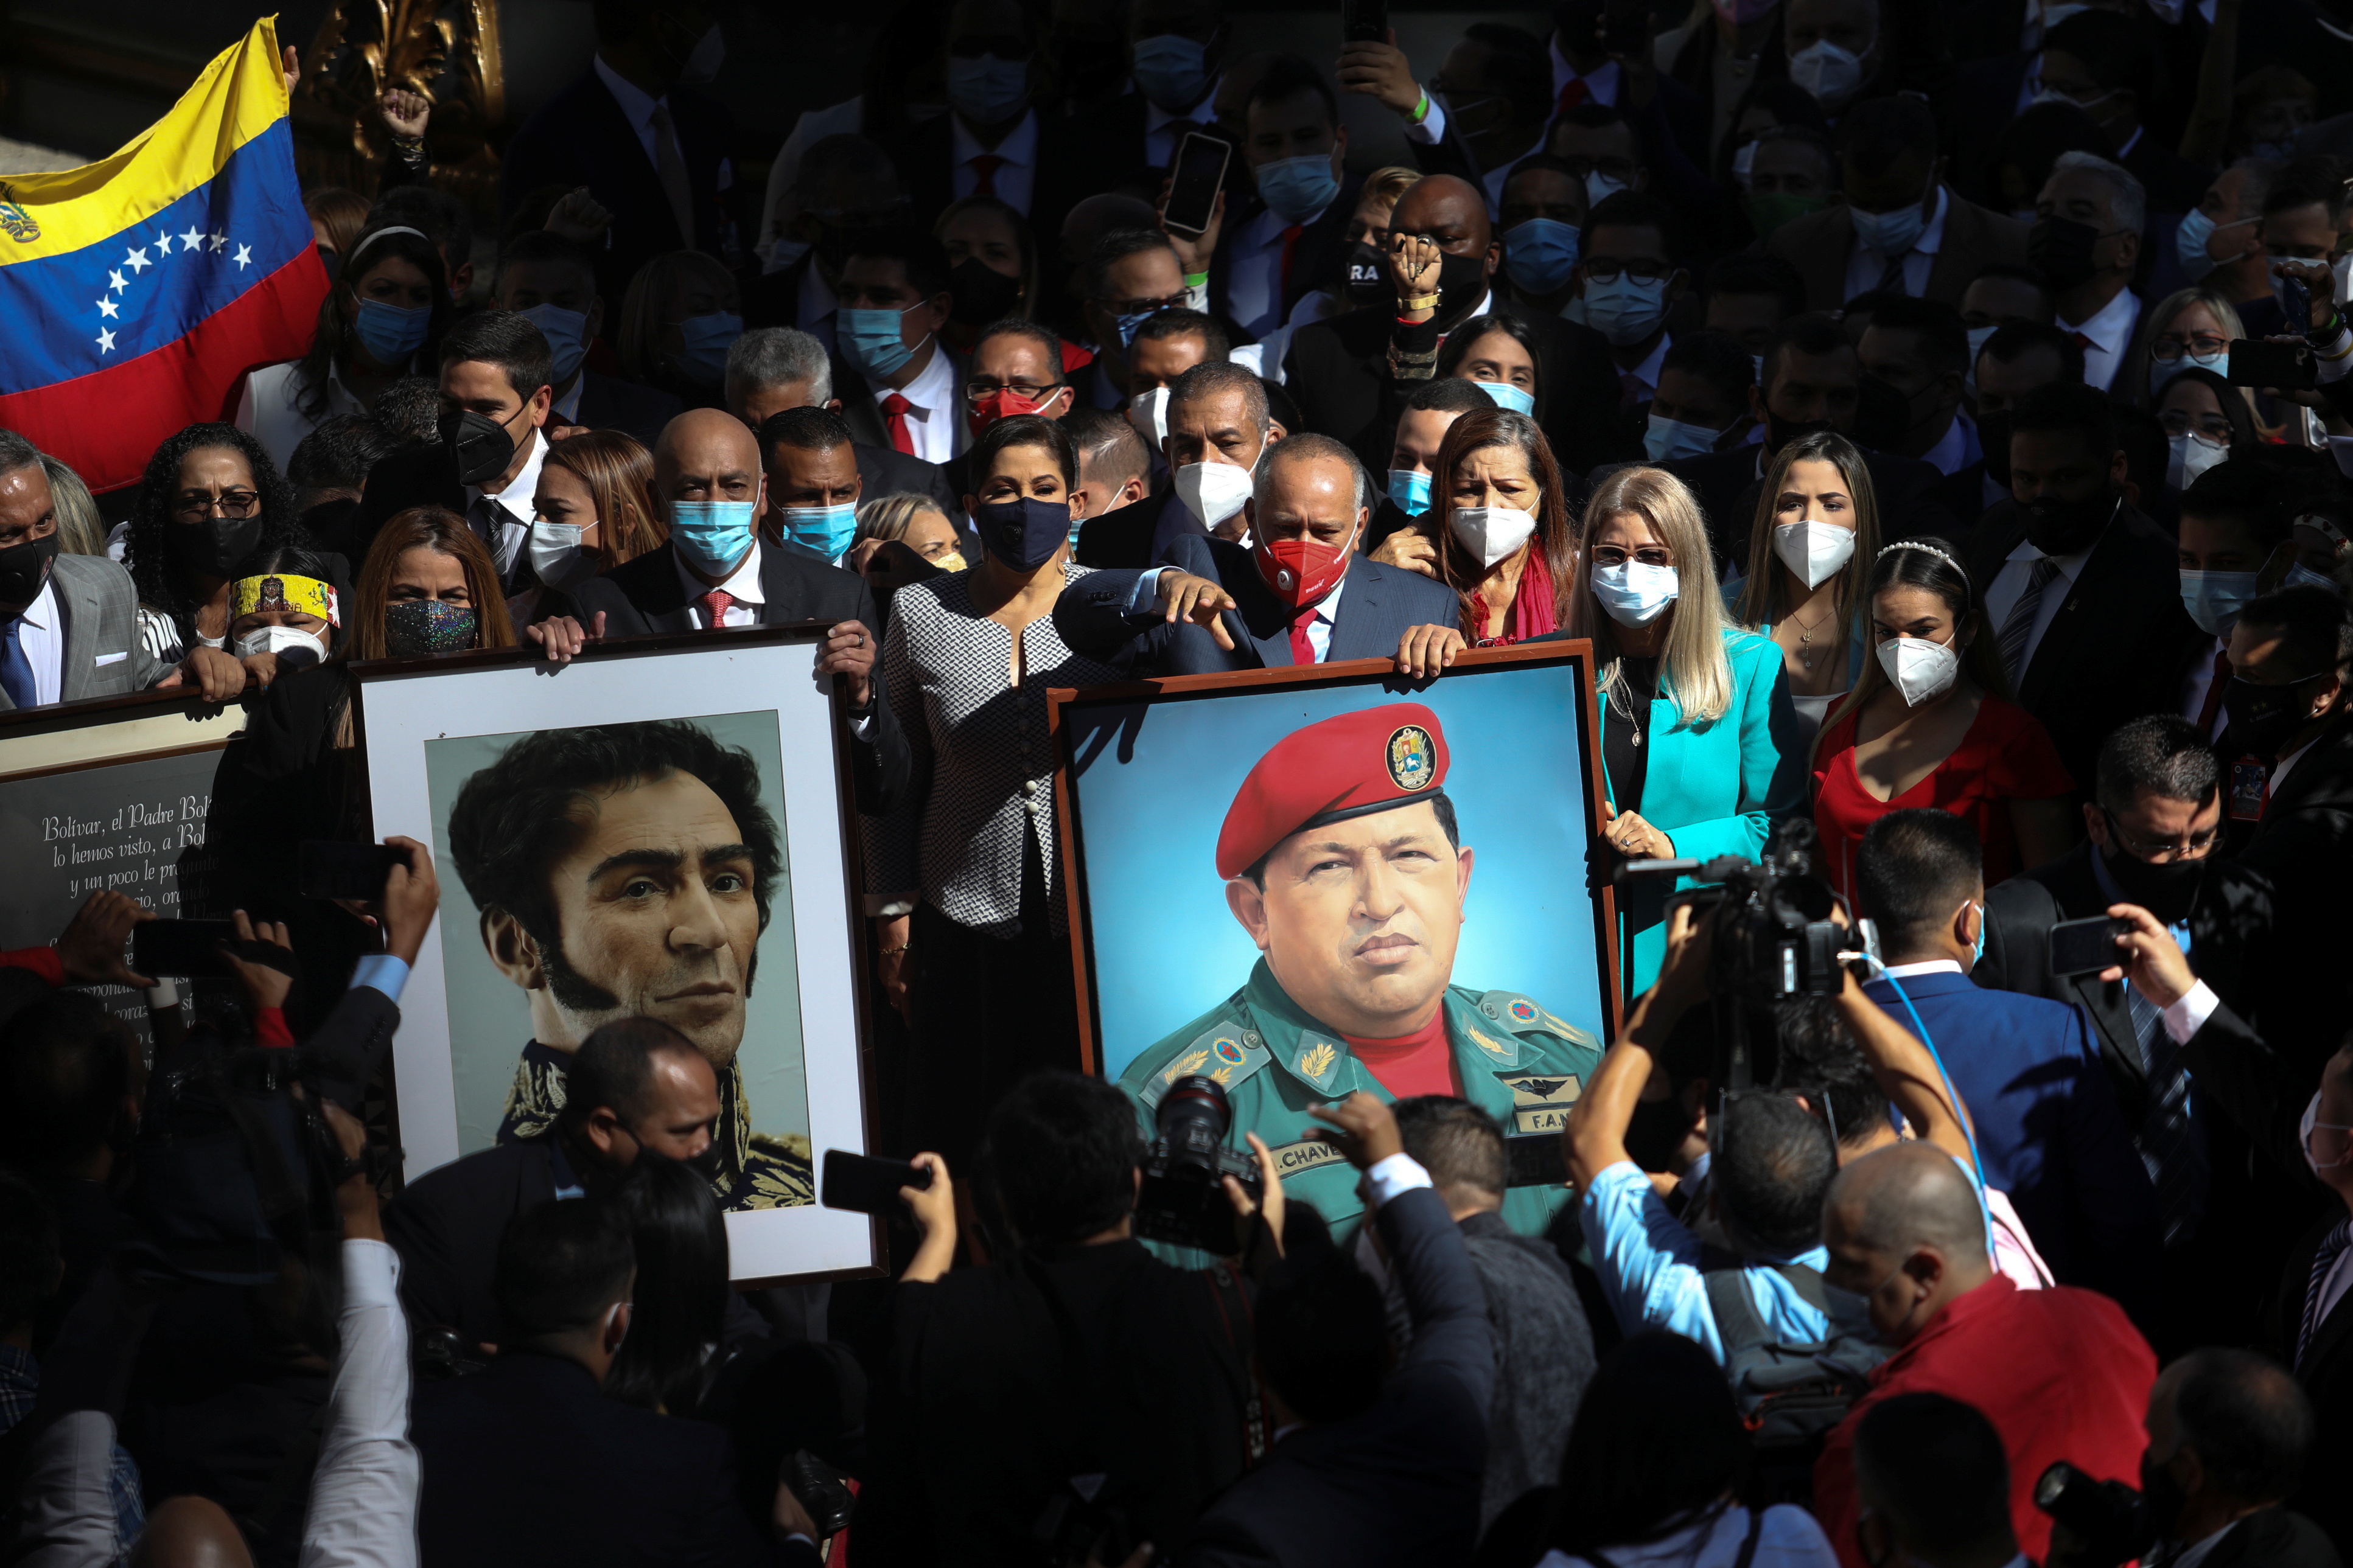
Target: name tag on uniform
column 1292, row 1159
column 1540, row 1101
column 2248, row 780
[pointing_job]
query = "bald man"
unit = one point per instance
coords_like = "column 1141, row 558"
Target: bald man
column 1352, row 375
column 2061, row 1372
column 714, row 573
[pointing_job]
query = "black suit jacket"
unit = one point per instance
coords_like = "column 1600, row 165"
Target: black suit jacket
column 2111, row 652
column 644, row 597
column 2304, row 844
column 2274, row 1538
column 1136, row 535
column 1338, row 372
column 582, row 137
column 1378, row 605
column 924, row 155
column 864, row 416
column 1399, row 1484
column 2325, row 1374
column 446, row 1227
column 1725, row 485
column 1315, row 256
column 528, row 1462
column 884, row 470
column 610, row 402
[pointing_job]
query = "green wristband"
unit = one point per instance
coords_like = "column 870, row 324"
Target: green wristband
column 1421, row 109
column 1195, row 280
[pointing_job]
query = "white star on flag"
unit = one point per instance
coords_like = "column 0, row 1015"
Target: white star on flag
column 193, row 239
column 244, row 256
column 219, row 240
column 137, row 260
column 114, row 280
column 105, row 340
column 108, row 308
column 163, row 243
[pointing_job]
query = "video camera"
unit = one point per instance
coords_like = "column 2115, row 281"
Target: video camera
column 1773, row 934
column 2110, row 1521
column 1183, row 1200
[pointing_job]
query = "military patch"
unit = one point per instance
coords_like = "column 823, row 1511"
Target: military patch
column 1412, row 757
column 1306, row 1156
column 1508, row 1052
column 1522, row 1015
column 1229, row 1050
column 1521, row 1010
column 1540, row 1119
column 1184, row 1065
column 1543, row 1089
column 1316, row 1062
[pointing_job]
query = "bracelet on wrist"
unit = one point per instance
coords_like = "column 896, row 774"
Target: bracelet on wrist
column 1420, row 302
column 1195, row 280
column 894, row 952
column 1421, row 106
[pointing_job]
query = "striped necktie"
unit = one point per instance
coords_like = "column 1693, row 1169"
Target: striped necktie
column 2332, row 1247
column 2171, row 1147
column 2018, row 627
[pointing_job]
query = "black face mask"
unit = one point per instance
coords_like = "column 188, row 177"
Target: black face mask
column 1883, row 415
column 1993, row 434
column 2165, row 890
column 479, row 446
column 24, row 568
column 213, row 548
column 1655, row 1131
column 2263, row 717
column 1364, row 275
column 1461, row 284
column 2057, row 526
column 981, row 294
column 1025, row 533
column 1780, row 431
column 2060, row 249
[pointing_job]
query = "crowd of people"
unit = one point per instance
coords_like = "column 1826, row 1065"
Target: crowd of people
column 1936, row 418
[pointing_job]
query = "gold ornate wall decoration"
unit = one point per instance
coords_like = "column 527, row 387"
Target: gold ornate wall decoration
column 447, row 50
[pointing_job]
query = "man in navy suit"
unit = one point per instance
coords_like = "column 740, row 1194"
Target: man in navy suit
column 1300, row 593
column 640, row 133
column 2027, row 1068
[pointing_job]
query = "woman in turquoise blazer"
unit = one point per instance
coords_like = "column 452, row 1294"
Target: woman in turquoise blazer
column 1700, row 744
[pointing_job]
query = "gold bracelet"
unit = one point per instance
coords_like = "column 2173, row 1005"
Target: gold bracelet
column 1424, row 302
column 895, row 951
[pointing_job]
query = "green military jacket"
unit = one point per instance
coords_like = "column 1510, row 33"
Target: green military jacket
column 1518, row 1062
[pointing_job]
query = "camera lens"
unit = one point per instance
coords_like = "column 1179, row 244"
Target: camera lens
column 1193, row 1120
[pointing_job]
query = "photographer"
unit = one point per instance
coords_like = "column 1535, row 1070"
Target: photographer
column 1075, row 1353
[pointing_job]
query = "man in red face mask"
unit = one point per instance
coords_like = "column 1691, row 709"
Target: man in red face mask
column 1296, row 590
column 1015, row 368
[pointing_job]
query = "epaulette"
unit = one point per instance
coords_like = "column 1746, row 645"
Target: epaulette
column 1224, row 1051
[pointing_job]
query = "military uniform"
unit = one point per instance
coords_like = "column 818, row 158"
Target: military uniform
column 756, row 1170
column 1516, row 1061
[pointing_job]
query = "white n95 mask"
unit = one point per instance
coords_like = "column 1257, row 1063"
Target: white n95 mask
column 1491, row 533
column 1816, row 552
column 1213, row 491
column 1921, row 670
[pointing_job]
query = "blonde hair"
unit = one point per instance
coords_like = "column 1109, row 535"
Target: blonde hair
column 889, row 517
column 1757, row 592
column 1388, row 184
column 1694, row 670
column 80, row 531
column 2132, row 377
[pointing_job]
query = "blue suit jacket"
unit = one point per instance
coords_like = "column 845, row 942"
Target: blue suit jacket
column 1378, row 605
column 2028, row 1069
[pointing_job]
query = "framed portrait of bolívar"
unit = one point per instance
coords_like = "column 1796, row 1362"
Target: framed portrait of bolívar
column 658, row 828
column 1300, row 882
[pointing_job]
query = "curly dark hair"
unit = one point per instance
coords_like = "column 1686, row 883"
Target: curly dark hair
column 517, row 817
column 162, row 582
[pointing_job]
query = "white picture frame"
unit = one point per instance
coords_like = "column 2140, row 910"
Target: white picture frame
column 736, row 684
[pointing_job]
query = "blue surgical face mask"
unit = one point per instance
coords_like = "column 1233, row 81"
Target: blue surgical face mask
column 1540, row 253
column 704, row 356
column 1409, row 490
column 2189, row 245
column 2300, row 575
column 1296, row 189
column 1626, row 310
column 1599, row 188
column 1127, row 325
column 392, row 332
column 712, row 535
column 1506, row 396
column 1024, row 533
column 1976, row 955
column 2160, row 371
column 2215, row 598
column 1891, row 234
column 1172, row 70
column 566, row 332
column 871, row 342
column 827, row 529
column 1634, row 595
column 1668, row 438
column 987, row 91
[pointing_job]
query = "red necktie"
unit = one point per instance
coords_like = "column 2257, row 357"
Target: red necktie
column 2083, row 341
column 985, row 165
column 1575, row 93
column 894, row 408
column 1302, row 650
column 714, row 604
column 1290, row 243
column 2212, row 707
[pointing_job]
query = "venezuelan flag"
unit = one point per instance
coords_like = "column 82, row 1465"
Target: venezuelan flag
column 138, row 290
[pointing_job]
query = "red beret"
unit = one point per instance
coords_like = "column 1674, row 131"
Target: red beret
column 1348, row 766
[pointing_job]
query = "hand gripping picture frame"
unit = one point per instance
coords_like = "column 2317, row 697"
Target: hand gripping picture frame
column 661, row 827
column 1276, row 874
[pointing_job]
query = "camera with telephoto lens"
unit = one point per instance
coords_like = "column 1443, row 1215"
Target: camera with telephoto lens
column 2109, row 1521
column 1183, row 1200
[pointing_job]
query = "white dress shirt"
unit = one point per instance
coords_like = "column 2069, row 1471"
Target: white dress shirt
column 934, row 408
column 1601, row 87
column 742, row 586
column 638, row 108
column 817, row 306
column 2111, row 331
column 269, row 408
column 1016, row 179
column 1647, row 372
column 364, row 1493
column 1163, row 131
column 1925, row 967
column 1254, row 281
column 2010, row 583
column 501, row 518
column 1865, row 267
column 2199, row 682
column 41, row 633
column 565, row 407
column 1957, row 448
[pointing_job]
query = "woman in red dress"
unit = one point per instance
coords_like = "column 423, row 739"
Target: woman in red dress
column 1505, row 545
column 1929, row 723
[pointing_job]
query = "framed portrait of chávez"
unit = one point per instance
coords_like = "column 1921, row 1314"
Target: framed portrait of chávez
column 658, row 828
column 1297, row 882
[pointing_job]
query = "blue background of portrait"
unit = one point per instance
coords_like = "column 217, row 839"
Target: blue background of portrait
column 1150, row 803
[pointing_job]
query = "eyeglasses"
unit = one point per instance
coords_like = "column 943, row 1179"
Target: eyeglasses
column 1599, row 270
column 1649, row 556
column 2162, row 851
column 2205, row 345
column 979, row 389
column 2208, row 427
column 1618, row 169
column 229, row 503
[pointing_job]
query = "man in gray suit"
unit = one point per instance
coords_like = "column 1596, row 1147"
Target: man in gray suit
column 68, row 624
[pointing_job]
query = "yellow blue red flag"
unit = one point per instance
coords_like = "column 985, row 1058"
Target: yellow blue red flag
column 138, row 290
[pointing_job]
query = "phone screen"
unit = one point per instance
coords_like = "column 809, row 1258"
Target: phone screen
column 2085, row 947
column 865, row 1184
column 181, row 948
column 326, row 868
column 1193, row 193
column 1364, row 22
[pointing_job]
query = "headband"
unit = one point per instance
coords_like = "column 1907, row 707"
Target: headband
column 1917, row 544
column 284, row 591
column 373, row 235
column 2322, row 523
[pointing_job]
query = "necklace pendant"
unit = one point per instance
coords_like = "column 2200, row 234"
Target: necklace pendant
column 1807, row 660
